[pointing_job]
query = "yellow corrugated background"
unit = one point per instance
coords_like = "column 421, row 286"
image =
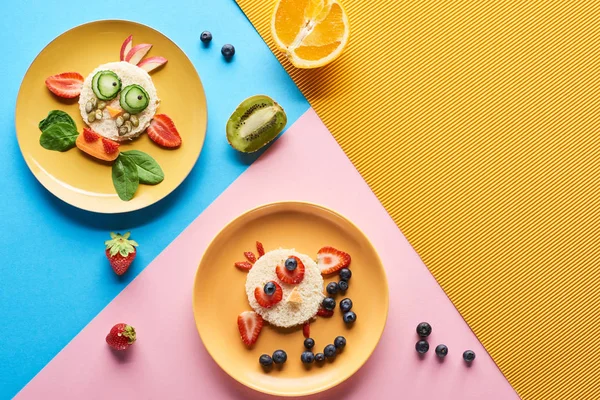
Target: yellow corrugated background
column 476, row 123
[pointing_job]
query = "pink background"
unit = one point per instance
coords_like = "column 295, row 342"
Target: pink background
column 169, row 360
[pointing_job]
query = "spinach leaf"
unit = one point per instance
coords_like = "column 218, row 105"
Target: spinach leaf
column 125, row 177
column 59, row 136
column 149, row 172
column 56, row 116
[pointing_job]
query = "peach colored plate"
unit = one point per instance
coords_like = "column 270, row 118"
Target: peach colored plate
column 78, row 179
column 219, row 297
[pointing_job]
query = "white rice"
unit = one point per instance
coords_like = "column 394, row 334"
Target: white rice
column 285, row 314
column 129, row 74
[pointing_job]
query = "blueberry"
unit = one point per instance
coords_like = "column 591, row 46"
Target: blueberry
column 346, row 305
column 340, row 342
column 227, row 50
column 265, row 360
column 320, row 357
column 307, row 357
column 423, row 329
column 330, row 351
column 206, row 37
column 441, row 350
column 279, row 356
column 309, row 343
column 269, row 288
column 469, row 356
column 349, row 317
column 291, row 264
column 342, row 286
column 422, row 346
column 345, row 274
column 329, row 303
column 332, row 288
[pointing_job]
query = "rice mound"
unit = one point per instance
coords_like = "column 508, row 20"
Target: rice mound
column 129, row 75
column 284, row 314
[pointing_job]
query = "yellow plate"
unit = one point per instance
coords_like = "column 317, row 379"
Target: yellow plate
column 76, row 178
column 219, row 297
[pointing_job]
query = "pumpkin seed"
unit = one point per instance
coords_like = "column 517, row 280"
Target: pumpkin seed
column 91, row 117
column 119, row 121
column 122, row 130
column 89, row 106
column 126, row 116
column 98, row 114
column 101, row 105
column 135, row 121
column 128, row 125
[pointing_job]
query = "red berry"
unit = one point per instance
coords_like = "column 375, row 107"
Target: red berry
column 250, row 324
column 121, row 336
column 324, row 313
column 306, row 329
column 331, row 260
column 266, row 301
column 110, row 146
column 260, row 249
column 89, row 135
column 67, row 85
column 250, row 256
column 162, row 131
column 120, row 251
column 291, row 277
column 245, row 265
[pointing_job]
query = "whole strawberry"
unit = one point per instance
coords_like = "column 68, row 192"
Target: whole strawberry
column 120, row 251
column 121, row 336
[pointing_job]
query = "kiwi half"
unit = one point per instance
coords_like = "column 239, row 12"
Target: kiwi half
column 254, row 123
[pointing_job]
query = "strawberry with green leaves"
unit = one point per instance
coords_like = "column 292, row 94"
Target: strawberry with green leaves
column 121, row 336
column 120, row 251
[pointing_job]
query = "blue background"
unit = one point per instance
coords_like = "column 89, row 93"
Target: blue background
column 54, row 277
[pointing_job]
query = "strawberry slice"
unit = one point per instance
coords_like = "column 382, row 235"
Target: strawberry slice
column 89, row 135
column 67, row 85
column 245, row 265
column 291, row 277
column 266, row 301
column 250, row 256
column 109, row 146
column 306, row 329
column 331, row 260
column 250, row 325
column 324, row 313
column 260, row 249
column 162, row 131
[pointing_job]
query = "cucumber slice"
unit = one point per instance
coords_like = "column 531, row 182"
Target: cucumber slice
column 134, row 99
column 106, row 85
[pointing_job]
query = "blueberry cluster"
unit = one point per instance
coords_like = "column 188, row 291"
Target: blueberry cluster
column 332, row 289
column 329, row 352
column 441, row 350
column 279, row 357
column 227, row 50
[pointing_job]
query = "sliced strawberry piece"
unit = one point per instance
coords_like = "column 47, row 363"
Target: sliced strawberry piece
column 324, row 313
column 250, row 324
column 266, row 301
column 306, row 329
column 67, row 85
column 331, row 260
column 260, row 249
column 89, row 135
column 245, row 265
column 162, row 131
column 250, row 256
column 291, row 277
column 110, row 146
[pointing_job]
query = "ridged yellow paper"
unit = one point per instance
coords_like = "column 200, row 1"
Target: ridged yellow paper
column 477, row 124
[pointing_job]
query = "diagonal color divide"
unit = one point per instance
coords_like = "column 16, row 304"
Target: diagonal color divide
column 476, row 125
column 169, row 362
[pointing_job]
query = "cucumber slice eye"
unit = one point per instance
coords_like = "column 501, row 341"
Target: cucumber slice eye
column 106, row 85
column 134, row 99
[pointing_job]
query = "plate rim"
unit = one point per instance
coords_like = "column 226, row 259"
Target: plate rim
column 335, row 382
column 93, row 209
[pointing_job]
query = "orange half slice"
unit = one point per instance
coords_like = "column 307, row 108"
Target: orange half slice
column 312, row 33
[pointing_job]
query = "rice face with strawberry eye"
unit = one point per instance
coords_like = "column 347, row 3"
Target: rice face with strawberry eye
column 286, row 314
column 129, row 75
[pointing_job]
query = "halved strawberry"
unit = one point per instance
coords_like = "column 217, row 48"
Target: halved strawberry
column 266, row 301
column 109, row 146
column 291, row 277
column 250, row 325
column 250, row 256
column 331, row 260
column 162, row 131
column 306, row 329
column 245, row 265
column 89, row 135
column 260, row 249
column 67, row 85
column 321, row 312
